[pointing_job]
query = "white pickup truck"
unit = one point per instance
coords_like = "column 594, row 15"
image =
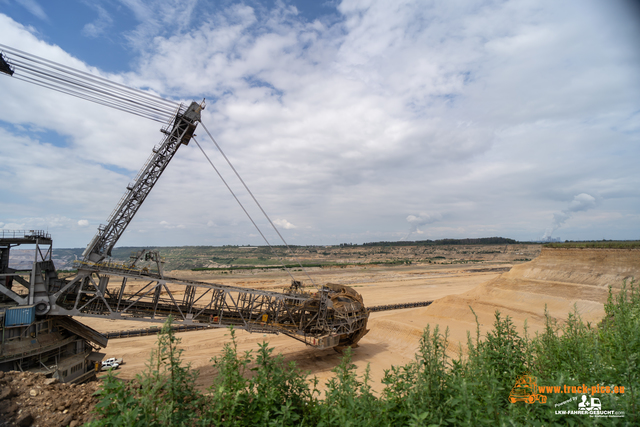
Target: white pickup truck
column 111, row 363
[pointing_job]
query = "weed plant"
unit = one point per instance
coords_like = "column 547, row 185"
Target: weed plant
column 262, row 389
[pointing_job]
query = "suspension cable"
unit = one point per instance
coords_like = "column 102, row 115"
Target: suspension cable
column 67, row 80
column 84, row 75
column 88, row 98
column 92, row 83
column 256, row 202
column 61, row 78
column 239, row 203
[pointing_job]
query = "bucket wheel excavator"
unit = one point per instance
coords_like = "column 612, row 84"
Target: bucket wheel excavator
column 330, row 316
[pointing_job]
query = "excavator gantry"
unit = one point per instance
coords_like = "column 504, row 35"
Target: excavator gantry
column 333, row 316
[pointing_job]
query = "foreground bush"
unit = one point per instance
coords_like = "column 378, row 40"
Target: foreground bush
column 264, row 390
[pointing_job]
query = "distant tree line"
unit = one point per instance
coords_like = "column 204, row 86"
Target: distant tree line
column 596, row 244
column 445, row 242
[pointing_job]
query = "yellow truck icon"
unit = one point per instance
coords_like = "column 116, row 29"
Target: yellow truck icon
column 526, row 390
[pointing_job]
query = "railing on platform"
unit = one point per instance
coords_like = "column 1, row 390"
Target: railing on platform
column 23, row 234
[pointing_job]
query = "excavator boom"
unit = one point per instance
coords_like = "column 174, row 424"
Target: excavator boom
column 332, row 316
column 179, row 132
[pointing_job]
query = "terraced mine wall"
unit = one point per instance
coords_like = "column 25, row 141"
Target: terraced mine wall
column 560, row 280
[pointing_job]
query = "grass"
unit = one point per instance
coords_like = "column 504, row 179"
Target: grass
column 603, row 244
column 262, row 389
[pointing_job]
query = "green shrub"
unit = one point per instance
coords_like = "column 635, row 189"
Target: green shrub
column 164, row 394
column 472, row 389
column 272, row 392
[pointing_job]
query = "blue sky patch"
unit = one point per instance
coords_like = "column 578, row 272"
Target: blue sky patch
column 404, row 117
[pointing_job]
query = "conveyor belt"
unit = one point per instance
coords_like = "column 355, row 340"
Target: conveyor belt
column 398, row 306
column 153, row 331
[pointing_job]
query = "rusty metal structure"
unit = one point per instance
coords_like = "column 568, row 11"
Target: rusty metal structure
column 58, row 346
column 331, row 316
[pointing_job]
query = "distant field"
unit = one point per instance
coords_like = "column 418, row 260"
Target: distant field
column 623, row 244
column 217, row 258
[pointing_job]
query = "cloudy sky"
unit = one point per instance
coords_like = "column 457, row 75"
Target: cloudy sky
column 350, row 121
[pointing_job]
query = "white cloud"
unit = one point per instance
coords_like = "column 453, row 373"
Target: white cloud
column 283, row 223
column 582, row 202
column 496, row 114
column 34, row 8
column 83, row 223
column 155, row 16
column 423, row 218
column 15, row 226
column 99, row 26
column 53, row 223
column 168, row 226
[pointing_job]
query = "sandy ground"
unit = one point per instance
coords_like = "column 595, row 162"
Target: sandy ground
column 559, row 279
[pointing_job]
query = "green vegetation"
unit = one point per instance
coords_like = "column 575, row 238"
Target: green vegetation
column 601, row 244
column 261, row 267
column 264, row 390
column 253, row 257
column 304, row 265
column 444, row 242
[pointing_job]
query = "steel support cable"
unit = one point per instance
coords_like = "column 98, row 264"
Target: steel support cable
column 62, row 82
column 95, row 93
column 256, row 202
column 92, row 79
column 238, row 200
column 89, row 99
column 126, row 97
column 84, row 75
column 99, row 90
column 69, row 90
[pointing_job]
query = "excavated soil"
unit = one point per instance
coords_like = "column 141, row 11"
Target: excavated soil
column 562, row 280
column 28, row 399
column 378, row 286
column 559, row 279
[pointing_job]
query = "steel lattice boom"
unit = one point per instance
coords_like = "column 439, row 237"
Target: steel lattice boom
column 37, row 330
column 333, row 316
column 179, row 133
